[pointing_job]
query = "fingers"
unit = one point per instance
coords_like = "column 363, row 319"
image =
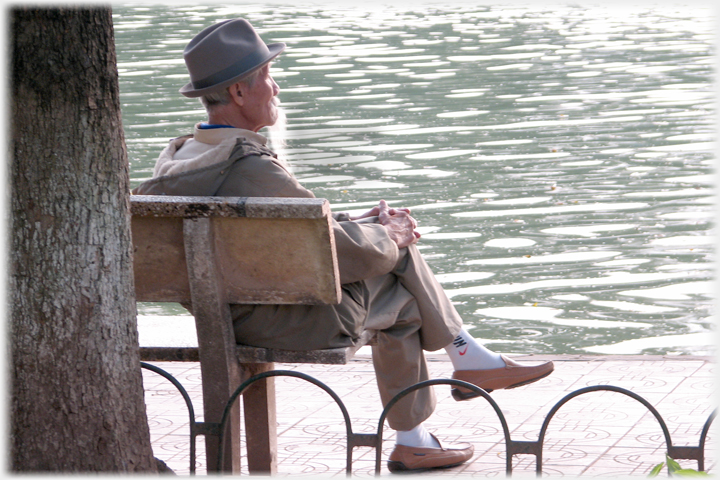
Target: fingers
column 393, row 211
column 374, row 212
column 407, row 240
column 383, row 205
column 383, row 210
column 399, row 222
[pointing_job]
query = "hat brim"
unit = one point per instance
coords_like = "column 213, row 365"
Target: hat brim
column 188, row 90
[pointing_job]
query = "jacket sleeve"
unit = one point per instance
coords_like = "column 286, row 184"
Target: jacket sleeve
column 364, row 250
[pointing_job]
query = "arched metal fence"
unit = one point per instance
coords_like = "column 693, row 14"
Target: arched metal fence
column 512, row 447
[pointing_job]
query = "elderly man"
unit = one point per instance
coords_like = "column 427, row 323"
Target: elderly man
column 386, row 285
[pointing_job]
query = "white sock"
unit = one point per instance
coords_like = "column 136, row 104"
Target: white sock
column 417, row 437
column 467, row 354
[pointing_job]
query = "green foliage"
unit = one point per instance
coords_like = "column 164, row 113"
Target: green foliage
column 676, row 470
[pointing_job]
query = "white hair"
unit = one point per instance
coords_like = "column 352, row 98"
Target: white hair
column 276, row 134
column 213, row 99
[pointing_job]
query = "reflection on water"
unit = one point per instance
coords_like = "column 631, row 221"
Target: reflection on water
column 558, row 158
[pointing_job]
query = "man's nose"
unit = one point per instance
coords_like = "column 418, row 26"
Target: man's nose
column 276, row 89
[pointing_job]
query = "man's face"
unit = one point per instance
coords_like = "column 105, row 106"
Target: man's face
column 260, row 108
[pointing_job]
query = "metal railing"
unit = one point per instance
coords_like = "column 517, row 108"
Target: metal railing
column 512, row 447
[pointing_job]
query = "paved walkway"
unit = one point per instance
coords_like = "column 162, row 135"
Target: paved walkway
column 599, row 434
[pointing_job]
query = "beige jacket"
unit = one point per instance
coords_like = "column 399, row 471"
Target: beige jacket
column 235, row 162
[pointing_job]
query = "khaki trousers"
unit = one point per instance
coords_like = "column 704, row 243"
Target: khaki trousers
column 407, row 307
column 411, row 313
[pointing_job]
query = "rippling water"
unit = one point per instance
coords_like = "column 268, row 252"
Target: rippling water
column 559, row 159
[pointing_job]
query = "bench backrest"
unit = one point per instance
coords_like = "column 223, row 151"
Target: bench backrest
column 266, row 250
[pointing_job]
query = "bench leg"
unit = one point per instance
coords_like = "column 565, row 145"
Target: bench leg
column 260, row 420
column 214, row 405
column 221, row 374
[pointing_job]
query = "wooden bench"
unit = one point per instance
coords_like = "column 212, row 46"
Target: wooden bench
column 210, row 252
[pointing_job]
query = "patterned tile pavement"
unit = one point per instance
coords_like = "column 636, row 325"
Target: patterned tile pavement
column 598, row 434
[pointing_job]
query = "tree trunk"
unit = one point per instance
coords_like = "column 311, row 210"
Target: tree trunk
column 77, row 399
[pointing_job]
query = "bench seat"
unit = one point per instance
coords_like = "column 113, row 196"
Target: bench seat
column 247, row 354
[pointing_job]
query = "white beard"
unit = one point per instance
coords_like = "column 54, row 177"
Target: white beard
column 276, row 134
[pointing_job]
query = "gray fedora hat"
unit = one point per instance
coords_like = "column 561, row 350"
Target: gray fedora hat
column 223, row 54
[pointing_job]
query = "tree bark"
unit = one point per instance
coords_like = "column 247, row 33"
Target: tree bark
column 77, row 399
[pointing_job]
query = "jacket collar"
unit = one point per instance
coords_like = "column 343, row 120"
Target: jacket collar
column 215, row 136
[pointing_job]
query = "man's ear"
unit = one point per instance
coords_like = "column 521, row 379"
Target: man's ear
column 236, row 93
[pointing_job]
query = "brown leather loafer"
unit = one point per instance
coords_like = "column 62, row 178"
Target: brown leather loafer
column 511, row 376
column 420, row 459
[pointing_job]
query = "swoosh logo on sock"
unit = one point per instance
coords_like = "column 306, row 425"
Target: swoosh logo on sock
column 464, row 351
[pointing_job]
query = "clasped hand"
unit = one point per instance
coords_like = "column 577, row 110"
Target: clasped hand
column 397, row 221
